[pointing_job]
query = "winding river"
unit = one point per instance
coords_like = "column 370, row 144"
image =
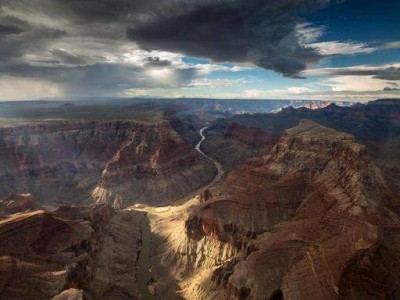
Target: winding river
column 144, row 274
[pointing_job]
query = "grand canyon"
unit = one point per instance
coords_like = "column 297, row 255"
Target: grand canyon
column 199, row 150
column 176, row 204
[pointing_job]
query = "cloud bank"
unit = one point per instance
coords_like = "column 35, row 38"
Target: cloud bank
column 71, row 48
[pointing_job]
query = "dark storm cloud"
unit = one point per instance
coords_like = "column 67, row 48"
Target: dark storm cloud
column 14, row 46
column 82, row 44
column 259, row 32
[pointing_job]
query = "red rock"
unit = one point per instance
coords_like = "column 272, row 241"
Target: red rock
column 64, row 254
column 316, row 210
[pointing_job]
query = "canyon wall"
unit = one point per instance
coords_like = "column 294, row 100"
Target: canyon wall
column 71, row 253
column 301, row 222
column 375, row 125
column 117, row 162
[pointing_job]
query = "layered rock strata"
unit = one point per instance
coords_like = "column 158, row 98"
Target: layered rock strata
column 313, row 219
column 117, row 162
column 71, row 253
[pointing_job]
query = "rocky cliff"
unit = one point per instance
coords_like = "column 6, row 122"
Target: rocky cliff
column 88, row 252
column 375, row 125
column 312, row 219
column 118, row 162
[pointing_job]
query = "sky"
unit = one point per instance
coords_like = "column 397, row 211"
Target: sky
column 245, row 49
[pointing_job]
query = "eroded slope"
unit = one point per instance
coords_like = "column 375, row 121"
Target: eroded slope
column 302, row 222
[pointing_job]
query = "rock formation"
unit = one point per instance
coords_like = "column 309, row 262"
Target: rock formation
column 118, row 162
column 71, row 253
column 14, row 203
column 152, row 170
column 310, row 207
column 375, row 125
column 312, row 219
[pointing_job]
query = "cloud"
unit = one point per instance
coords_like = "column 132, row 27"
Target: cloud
column 102, row 47
column 383, row 72
column 310, row 35
column 263, row 33
column 66, row 57
column 214, row 83
column 341, row 48
column 329, row 48
column 355, row 83
column 390, row 45
column 296, row 90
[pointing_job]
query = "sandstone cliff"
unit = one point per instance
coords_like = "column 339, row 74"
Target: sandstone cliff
column 118, row 162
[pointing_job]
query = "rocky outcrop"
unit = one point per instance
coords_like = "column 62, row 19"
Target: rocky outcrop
column 14, row 203
column 341, row 214
column 312, row 219
column 117, row 162
column 71, row 253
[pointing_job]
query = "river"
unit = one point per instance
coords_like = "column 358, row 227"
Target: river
column 218, row 166
column 144, row 274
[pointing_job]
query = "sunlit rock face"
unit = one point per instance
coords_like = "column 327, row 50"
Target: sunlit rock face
column 71, row 253
column 118, row 162
column 304, row 221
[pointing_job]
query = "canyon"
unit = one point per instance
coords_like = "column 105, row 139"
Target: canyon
column 298, row 204
column 114, row 162
column 293, row 224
